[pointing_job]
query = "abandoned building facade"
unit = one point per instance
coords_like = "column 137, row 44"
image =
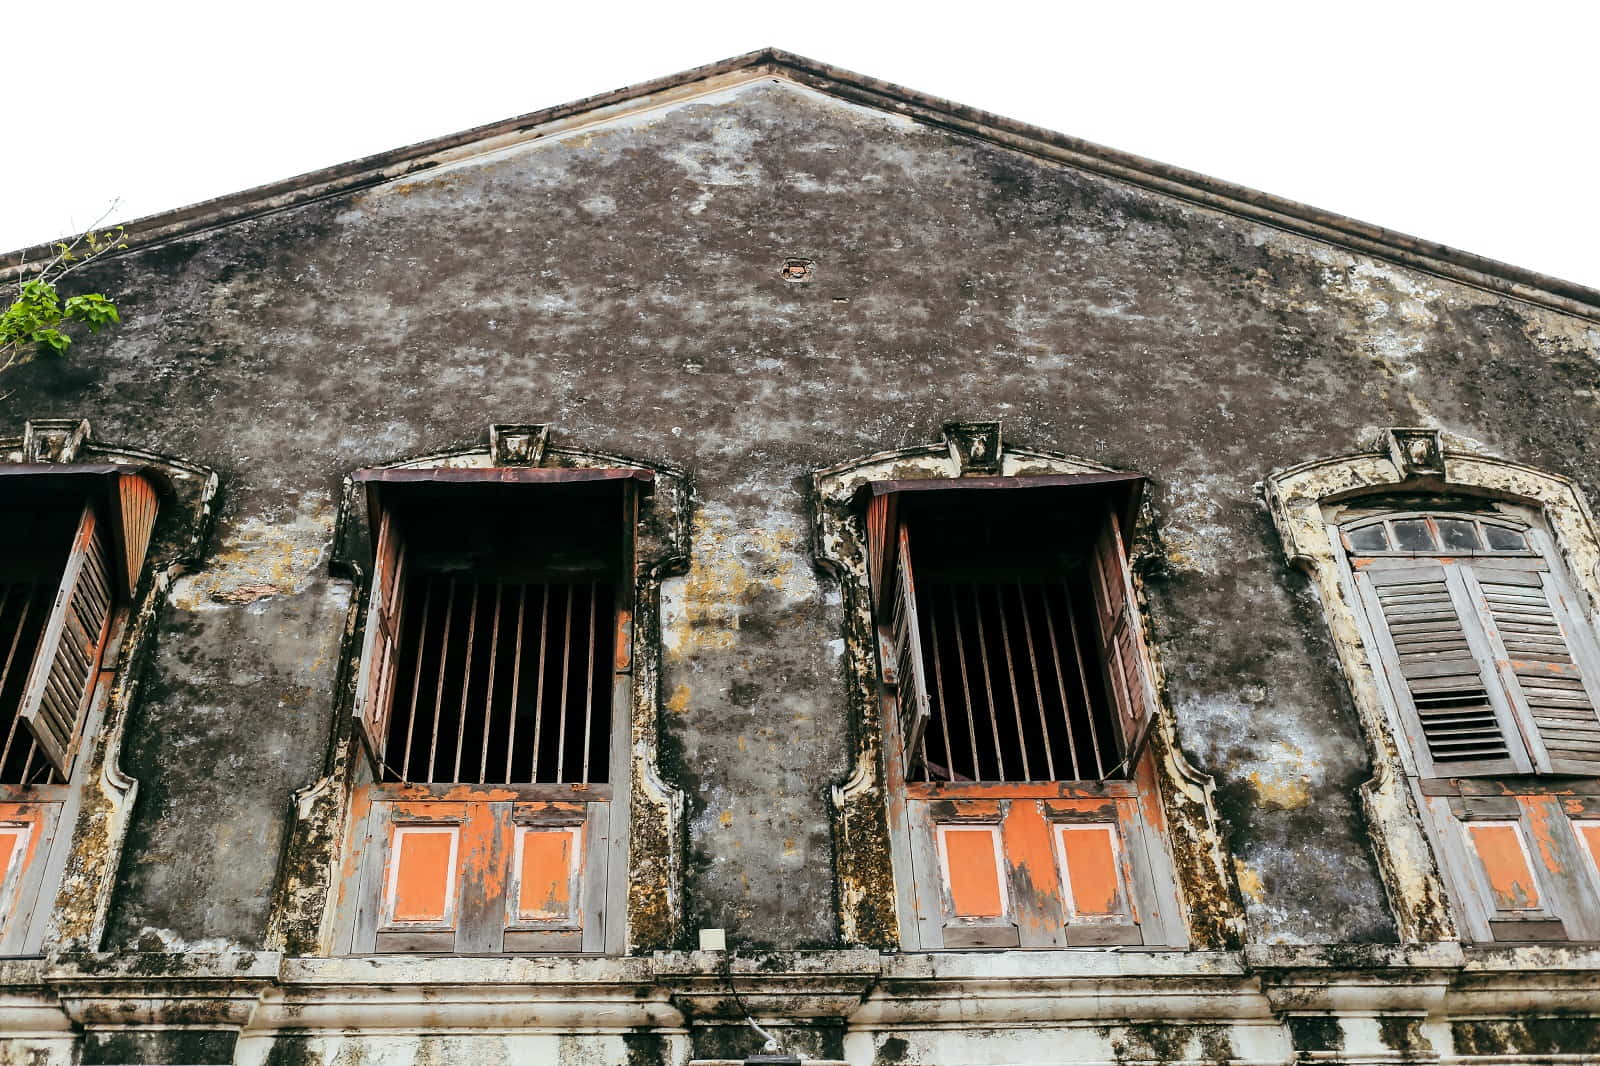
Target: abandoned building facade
column 765, row 562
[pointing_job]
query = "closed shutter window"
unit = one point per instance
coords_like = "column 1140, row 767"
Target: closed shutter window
column 1481, row 647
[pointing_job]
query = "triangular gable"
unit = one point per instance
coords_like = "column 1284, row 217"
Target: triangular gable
column 1177, row 183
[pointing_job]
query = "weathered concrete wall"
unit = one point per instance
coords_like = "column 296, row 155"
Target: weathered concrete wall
column 624, row 283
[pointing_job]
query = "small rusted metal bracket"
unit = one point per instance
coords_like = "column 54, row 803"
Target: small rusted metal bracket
column 1416, row 452
column 975, row 446
column 518, row 443
column 53, row 440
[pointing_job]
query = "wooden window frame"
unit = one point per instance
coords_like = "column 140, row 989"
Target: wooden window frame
column 495, row 816
column 929, row 810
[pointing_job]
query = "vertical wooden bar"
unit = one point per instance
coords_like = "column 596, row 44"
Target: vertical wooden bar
column 516, row 682
column 966, row 686
column 938, row 684
column 566, row 676
column 588, row 689
column 466, row 682
column 1038, row 690
column 1061, row 679
column 1011, row 675
column 538, row 690
column 1083, row 679
column 438, row 689
column 416, row 675
column 988, row 686
column 488, row 695
column 5, row 669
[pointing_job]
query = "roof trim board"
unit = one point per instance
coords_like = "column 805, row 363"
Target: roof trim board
column 1287, row 215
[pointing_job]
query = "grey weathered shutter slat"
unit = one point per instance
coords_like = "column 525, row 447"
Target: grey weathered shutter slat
column 914, row 707
column 1436, row 671
column 1538, row 665
column 1122, row 633
column 61, row 681
column 380, row 645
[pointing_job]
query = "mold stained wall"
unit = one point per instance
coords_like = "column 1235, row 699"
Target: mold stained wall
column 623, row 282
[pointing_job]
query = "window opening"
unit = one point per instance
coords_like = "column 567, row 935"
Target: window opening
column 71, row 549
column 498, row 644
column 1008, row 645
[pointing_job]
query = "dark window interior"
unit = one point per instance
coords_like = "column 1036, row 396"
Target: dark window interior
column 35, row 537
column 508, row 628
column 1009, row 636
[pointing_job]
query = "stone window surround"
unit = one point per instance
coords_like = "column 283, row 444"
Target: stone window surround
column 98, row 800
column 1422, row 460
column 868, row 912
column 303, row 920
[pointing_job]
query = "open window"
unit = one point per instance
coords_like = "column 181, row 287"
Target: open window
column 492, row 693
column 1019, row 699
column 1490, row 661
column 72, row 549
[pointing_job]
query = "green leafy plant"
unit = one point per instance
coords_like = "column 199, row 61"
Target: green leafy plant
column 37, row 321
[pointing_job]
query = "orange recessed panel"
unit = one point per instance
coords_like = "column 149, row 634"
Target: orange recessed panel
column 544, row 873
column 971, row 866
column 11, row 846
column 1590, row 832
column 1090, row 855
column 1505, row 864
column 422, row 876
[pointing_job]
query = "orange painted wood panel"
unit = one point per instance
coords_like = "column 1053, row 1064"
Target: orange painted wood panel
column 1093, row 879
column 11, row 841
column 423, row 875
column 544, row 877
column 1590, row 832
column 972, row 871
column 1506, row 866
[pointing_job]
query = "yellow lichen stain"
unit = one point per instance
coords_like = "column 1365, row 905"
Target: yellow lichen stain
column 791, row 848
column 1249, row 882
column 725, row 819
column 742, row 744
column 732, row 565
column 1275, row 792
column 678, row 700
column 260, row 559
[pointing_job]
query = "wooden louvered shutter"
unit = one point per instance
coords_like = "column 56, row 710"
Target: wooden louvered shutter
column 1433, row 653
column 1122, row 635
column 914, row 707
column 137, row 498
column 1528, row 619
column 381, row 645
column 56, row 697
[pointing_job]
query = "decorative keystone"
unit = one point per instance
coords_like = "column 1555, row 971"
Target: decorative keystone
column 53, row 440
column 1417, row 452
column 975, row 446
column 518, row 443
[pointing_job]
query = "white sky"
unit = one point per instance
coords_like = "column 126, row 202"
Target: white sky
column 1464, row 123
